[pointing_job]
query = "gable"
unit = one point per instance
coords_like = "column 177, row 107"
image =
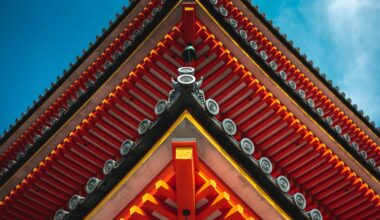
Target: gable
column 243, row 86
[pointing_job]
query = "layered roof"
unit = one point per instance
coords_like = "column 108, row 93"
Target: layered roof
column 324, row 153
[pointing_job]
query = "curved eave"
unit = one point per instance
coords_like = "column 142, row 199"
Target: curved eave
column 309, row 64
column 67, row 73
column 311, row 112
column 68, row 121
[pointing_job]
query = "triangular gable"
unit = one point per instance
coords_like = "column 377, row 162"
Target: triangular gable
column 259, row 115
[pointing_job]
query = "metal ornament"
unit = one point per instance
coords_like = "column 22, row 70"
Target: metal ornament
column 98, row 74
column 310, row 102
column 301, row 93
column 223, row 11
column 126, row 146
column 247, row 146
column 107, row 64
column 273, row 65
column 143, row 126
column 253, row 44
column 70, row 102
column 214, row 2
column 92, row 184
column 160, row 107
column 372, row 162
column 126, row 44
column 74, row 201
column 283, row 183
column 109, row 165
column 4, row 171
column 80, row 92
column 320, row 112
column 299, row 200
column 11, row 163
column 53, row 121
column 338, row 129
column 154, row 12
column 347, row 137
column 116, row 55
column 28, row 146
column 355, row 146
column 292, row 84
column 60, row 214
column 329, row 121
column 263, row 55
column 243, row 34
column 45, row 129
column 315, row 214
column 283, row 75
column 36, row 138
column 189, row 54
column 229, row 126
column 265, row 165
column 186, row 70
column 20, row 155
column 212, row 107
column 233, row 23
column 363, row 154
column 145, row 23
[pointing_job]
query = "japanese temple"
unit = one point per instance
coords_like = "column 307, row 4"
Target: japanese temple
column 191, row 110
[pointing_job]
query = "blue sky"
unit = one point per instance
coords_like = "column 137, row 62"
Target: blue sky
column 40, row 38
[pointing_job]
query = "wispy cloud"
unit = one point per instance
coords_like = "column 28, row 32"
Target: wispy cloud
column 342, row 37
column 353, row 28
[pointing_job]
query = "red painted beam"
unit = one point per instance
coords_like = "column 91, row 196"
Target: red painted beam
column 189, row 18
column 185, row 178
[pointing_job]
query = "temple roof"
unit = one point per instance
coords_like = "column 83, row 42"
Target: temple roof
column 296, row 128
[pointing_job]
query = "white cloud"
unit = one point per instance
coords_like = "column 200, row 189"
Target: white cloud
column 352, row 26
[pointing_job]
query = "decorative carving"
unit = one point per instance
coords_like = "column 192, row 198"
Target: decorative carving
column 320, row 112
column 126, row 146
column 109, row 165
column 338, row 129
column 265, row 165
column 363, row 154
column 273, row 65
column 355, row 146
column 243, row 34
column 347, row 137
column 74, row 201
column 292, row 84
column 253, row 45
column 223, row 11
column 329, row 121
column 45, row 129
column 60, row 214
column 160, row 107
column 214, row 2
column 92, row 184
column 299, row 200
column 263, row 55
column 154, row 12
column 233, row 23
column 229, row 126
column 310, row 102
column 372, row 162
column 301, row 93
column 283, row 183
column 144, row 126
column 212, row 107
column 315, row 214
column 247, row 146
column 283, row 75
